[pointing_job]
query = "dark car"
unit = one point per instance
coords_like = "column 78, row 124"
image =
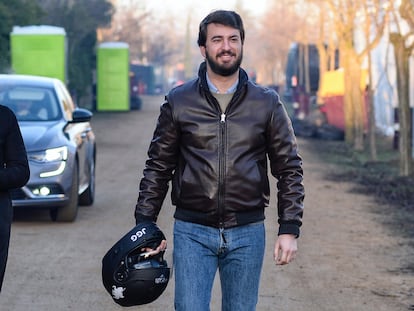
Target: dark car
column 60, row 145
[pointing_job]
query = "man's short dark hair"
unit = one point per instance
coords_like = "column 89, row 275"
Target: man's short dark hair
column 222, row 17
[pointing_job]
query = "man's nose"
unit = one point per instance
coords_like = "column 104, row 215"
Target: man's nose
column 226, row 44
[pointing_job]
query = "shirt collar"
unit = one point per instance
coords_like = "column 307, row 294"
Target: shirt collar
column 213, row 88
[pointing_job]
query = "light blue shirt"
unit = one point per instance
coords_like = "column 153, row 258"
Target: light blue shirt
column 213, row 88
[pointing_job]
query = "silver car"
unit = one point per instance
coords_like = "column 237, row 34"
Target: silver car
column 60, row 145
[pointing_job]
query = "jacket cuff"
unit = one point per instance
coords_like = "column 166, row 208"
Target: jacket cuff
column 289, row 229
column 139, row 218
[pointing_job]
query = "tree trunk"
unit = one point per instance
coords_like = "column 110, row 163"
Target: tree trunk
column 358, row 107
column 371, row 106
column 402, row 62
column 348, row 108
column 353, row 101
column 371, row 115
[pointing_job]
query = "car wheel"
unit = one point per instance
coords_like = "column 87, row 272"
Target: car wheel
column 88, row 196
column 68, row 212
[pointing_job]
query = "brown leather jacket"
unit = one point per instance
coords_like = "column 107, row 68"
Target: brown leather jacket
column 218, row 162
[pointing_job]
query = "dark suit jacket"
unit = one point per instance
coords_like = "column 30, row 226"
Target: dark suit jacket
column 14, row 173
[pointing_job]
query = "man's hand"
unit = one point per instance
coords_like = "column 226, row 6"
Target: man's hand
column 285, row 249
column 151, row 252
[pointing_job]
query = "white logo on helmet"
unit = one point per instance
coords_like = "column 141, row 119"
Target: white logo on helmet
column 118, row 292
column 139, row 234
column 161, row 279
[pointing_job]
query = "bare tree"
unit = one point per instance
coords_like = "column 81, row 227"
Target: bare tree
column 127, row 26
column 326, row 42
column 80, row 20
column 348, row 16
column 403, row 49
column 149, row 37
column 280, row 26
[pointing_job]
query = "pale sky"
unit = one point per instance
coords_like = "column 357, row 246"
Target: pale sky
column 202, row 8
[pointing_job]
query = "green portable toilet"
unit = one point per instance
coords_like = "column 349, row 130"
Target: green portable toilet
column 39, row 50
column 112, row 82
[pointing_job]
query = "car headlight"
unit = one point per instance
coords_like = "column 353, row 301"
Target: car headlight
column 50, row 155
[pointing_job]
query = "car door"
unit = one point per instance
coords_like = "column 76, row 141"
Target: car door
column 80, row 134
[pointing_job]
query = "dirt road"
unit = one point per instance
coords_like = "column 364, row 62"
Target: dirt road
column 347, row 260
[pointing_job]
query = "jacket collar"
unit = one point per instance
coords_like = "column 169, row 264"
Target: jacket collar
column 202, row 74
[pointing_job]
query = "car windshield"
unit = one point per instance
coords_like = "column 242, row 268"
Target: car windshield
column 30, row 103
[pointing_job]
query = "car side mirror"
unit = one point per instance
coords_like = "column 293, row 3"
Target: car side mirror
column 81, row 115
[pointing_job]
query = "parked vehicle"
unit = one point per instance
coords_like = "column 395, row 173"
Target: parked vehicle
column 60, row 145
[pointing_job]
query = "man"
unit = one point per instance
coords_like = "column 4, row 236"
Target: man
column 214, row 137
column 14, row 173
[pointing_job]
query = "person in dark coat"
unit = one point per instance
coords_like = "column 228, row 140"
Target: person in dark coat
column 14, row 173
column 217, row 139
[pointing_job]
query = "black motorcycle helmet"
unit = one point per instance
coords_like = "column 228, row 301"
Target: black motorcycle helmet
column 131, row 277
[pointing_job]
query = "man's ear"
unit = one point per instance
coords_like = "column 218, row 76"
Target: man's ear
column 203, row 51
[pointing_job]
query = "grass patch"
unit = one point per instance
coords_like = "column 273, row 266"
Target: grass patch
column 377, row 178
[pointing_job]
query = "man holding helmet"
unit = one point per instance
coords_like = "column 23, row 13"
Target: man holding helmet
column 214, row 139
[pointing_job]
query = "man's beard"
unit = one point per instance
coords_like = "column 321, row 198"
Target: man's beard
column 223, row 70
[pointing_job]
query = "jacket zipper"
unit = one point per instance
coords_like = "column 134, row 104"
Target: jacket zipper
column 222, row 163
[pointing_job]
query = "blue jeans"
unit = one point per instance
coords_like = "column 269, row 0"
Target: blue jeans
column 237, row 253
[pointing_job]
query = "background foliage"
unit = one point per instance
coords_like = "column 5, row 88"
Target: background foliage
column 79, row 18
